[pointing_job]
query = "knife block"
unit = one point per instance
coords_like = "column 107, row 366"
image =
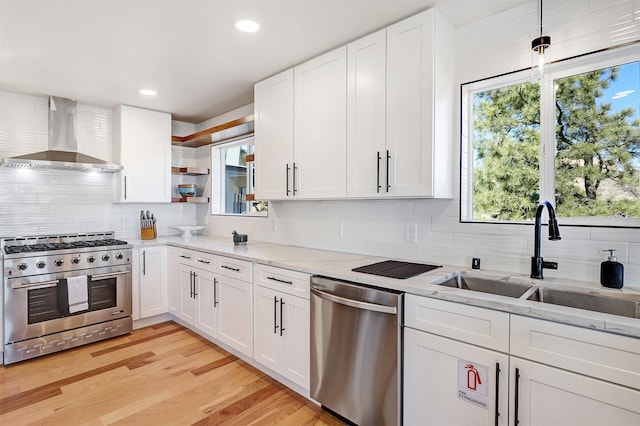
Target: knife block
column 148, row 233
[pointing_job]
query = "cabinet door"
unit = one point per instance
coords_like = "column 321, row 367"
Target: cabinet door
column 453, row 383
column 266, row 328
column 320, row 126
column 205, row 296
column 173, row 280
column 550, row 396
column 234, row 312
column 419, row 164
column 366, row 152
column 295, row 323
column 153, row 281
column 187, row 300
column 143, row 146
column 273, row 112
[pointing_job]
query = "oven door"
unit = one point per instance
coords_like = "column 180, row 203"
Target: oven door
column 39, row 305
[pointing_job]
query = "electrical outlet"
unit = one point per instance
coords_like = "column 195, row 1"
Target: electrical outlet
column 338, row 229
column 124, row 223
column 274, row 225
column 411, row 233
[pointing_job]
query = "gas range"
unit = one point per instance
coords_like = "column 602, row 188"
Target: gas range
column 35, row 255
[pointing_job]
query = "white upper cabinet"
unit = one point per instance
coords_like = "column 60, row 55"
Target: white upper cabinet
column 320, row 126
column 143, row 147
column 420, row 106
column 370, row 119
column 366, row 95
column 273, row 119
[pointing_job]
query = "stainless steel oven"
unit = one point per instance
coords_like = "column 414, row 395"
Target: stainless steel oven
column 64, row 291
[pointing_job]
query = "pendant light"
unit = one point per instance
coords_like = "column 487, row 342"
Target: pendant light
column 540, row 45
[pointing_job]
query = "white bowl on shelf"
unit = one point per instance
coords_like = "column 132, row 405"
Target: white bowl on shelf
column 188, row 229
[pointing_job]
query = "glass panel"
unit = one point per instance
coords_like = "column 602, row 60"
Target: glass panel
column 42, row 304
column 506, row 149
column 103, row 294
column 597, row 163
column 236, row 181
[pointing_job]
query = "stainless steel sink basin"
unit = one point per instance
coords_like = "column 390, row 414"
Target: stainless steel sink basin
column 487, row 285
column 624, row 305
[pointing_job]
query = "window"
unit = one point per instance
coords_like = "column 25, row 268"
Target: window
column 232, row 173
column 571, row 137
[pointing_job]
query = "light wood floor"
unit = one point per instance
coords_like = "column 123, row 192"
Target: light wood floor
column 159, row 375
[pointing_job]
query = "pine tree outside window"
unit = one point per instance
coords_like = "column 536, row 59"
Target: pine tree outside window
column 571, row 137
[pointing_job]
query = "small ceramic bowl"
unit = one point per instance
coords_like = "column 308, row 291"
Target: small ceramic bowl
column 187, row 189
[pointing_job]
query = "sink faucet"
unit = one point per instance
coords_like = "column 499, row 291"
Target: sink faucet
column 537, row 264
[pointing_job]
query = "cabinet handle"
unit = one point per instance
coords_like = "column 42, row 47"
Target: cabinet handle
column 125, row 187
column 294, row 178
column 185, row 257
column 281, row 323
column 280, row 281
column 287, row 173
column 230, row 268
column 204, row 261
column 275, row 319
column 516, row 396
column 191, row 284
column 497, row 415
column 378, row 158
column 388, row 158
column 144, row 262
column 195, row 288
column 215, row 292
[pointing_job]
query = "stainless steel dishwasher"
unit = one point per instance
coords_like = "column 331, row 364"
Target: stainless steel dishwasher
column 356, row 351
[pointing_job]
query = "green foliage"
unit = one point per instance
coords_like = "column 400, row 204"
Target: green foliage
column 597, row 151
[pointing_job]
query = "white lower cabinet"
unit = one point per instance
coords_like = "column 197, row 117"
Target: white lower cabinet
column 547, row 374
column 447, row 381
column 215, row 303
column 551, row 396
column 152, row 275
column 282, row 322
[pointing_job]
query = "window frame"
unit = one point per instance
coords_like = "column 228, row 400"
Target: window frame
column 560, row 69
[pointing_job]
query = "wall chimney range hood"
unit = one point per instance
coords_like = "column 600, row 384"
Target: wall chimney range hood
column 63, row 146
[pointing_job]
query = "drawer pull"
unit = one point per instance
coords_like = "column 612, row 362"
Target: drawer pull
column 231, row 268
column 280, row 281
column 204, row 261
column 185, row 257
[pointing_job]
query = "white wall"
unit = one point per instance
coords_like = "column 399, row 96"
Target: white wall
column 35, row 202
column 486, row 48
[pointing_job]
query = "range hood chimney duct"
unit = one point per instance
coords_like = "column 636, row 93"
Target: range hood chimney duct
column 63, row 146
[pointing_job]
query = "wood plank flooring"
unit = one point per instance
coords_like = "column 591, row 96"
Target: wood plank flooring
column 159, row 375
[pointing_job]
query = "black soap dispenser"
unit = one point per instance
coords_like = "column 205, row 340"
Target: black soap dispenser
column 611, row 271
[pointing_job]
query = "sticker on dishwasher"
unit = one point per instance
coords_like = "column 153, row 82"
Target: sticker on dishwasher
column 473, row 383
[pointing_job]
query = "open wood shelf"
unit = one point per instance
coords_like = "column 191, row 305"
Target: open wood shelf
column 190, row 171
column 190, row 200
column 203, row 137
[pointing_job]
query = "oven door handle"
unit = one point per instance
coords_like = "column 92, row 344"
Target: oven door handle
column 43, row 284
column 109, row 275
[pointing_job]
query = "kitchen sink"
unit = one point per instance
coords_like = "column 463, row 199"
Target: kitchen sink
column 625, row 305
column 487, row 285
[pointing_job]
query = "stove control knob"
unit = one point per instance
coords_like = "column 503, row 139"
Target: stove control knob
column 22, row 266
column 119, row 256
column 106, row 257
column 91, row 259
column 58, row 262
column 75, row 260
column 40, row 264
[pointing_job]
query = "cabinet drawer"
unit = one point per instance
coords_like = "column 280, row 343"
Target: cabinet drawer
column 197, row 259
column 591, row 352
column 187, row 257
column 470, row 324
column 284, row 280
column 234, row 268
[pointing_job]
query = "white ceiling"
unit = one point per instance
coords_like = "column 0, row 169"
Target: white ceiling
column 101, row 52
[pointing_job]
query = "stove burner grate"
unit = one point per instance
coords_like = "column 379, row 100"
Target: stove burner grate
column 39, row 247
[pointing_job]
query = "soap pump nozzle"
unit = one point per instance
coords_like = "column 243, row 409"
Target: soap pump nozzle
column 612, row 255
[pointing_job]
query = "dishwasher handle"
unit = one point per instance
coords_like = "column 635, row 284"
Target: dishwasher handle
column 355, row 303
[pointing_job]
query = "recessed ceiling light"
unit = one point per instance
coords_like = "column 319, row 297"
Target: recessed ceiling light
column 147, row 92
column 247, row 25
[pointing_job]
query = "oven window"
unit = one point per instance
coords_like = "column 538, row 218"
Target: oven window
column 43, row 305
column 103, row 294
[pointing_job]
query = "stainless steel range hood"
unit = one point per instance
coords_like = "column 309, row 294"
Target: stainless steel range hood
column 63, row 146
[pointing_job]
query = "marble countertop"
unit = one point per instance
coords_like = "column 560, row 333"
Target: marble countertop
column 339, row 265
